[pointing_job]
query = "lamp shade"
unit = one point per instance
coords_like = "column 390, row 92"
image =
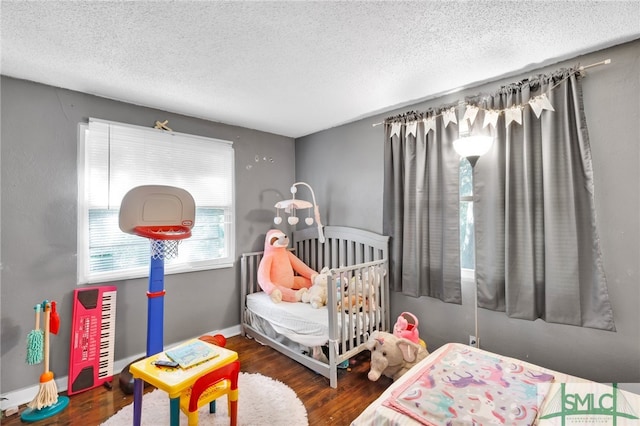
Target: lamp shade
column 472, row 146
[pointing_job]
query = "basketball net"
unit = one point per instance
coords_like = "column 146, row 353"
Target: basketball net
column 164, row 240
column 164, row 249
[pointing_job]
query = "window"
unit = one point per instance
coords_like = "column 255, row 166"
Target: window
column 467, row 243
column 114, row 158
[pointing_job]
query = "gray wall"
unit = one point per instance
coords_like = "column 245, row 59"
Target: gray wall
column 39, row 210
column 345, row 166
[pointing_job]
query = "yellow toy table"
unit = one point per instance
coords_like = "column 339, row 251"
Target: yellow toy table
column 173, row 380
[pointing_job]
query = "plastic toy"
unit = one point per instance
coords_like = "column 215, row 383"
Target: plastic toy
column 47, row 402
column 216, row 339
column 126, row 379
column 35, row 340
column 407, row 327
column 165, row 216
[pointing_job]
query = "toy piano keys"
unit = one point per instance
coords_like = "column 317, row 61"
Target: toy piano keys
column 92, row 338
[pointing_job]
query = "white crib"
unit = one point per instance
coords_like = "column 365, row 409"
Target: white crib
column 357, row 302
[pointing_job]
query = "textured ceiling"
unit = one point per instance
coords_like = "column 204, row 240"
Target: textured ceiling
column 295, row 68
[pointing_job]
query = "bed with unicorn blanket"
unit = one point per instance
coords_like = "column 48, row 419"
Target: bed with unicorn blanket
column 463, row 385
column 323, row 339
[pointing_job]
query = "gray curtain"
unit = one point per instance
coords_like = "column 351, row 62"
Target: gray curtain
column 538, row 252
column 421, row 208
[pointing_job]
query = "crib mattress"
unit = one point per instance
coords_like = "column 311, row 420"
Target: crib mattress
column 300, row 322
column 297, row 321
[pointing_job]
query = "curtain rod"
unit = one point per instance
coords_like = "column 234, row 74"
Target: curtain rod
column 581, row 68
column 605, row 62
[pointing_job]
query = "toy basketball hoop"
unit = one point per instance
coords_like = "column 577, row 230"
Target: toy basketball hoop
column 164, row 215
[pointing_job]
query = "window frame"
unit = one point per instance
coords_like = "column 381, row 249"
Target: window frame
column 85, row 276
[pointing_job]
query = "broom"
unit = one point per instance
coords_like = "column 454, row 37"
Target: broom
column 35, row 340
column 48, row 392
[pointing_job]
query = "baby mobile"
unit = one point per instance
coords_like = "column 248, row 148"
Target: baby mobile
column 47, row 402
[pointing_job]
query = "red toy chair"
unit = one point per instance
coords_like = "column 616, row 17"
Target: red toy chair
column 208, row 388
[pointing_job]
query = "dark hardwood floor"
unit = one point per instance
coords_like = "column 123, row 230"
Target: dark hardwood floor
column 325, row 406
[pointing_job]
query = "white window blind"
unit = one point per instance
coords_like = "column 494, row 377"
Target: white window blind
column 114, row 158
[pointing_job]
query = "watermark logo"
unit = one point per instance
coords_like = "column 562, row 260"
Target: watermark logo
column 589, row 404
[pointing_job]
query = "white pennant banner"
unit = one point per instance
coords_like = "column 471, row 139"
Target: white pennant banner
column 449, row 116
column 429, row 124
column 491, row 117
column 395, row 129
column 412, row 129
column 540, row 103
column 470, row 113
column 512, row 114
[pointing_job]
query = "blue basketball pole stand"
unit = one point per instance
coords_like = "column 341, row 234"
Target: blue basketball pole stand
column 160, row 249
column 155, row 317
column 155, row 302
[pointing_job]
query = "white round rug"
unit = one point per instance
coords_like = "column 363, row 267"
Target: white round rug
column 261, row 401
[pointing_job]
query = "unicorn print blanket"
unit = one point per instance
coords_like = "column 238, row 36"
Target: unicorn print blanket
column 466, row 386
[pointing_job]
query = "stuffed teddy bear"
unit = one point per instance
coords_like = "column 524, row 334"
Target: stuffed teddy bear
column 317, row 294
column 276, row 272
column 360, row 292
column 351, row 303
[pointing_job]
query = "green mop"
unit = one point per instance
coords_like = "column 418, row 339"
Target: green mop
column 35, row 340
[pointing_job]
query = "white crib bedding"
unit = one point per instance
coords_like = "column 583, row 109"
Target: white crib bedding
column 296, row 321
column 300, row 322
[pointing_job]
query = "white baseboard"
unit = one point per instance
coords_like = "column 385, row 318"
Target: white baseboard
column 25, row 395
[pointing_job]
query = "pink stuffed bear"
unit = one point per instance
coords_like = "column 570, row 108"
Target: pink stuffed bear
column 276, row 271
